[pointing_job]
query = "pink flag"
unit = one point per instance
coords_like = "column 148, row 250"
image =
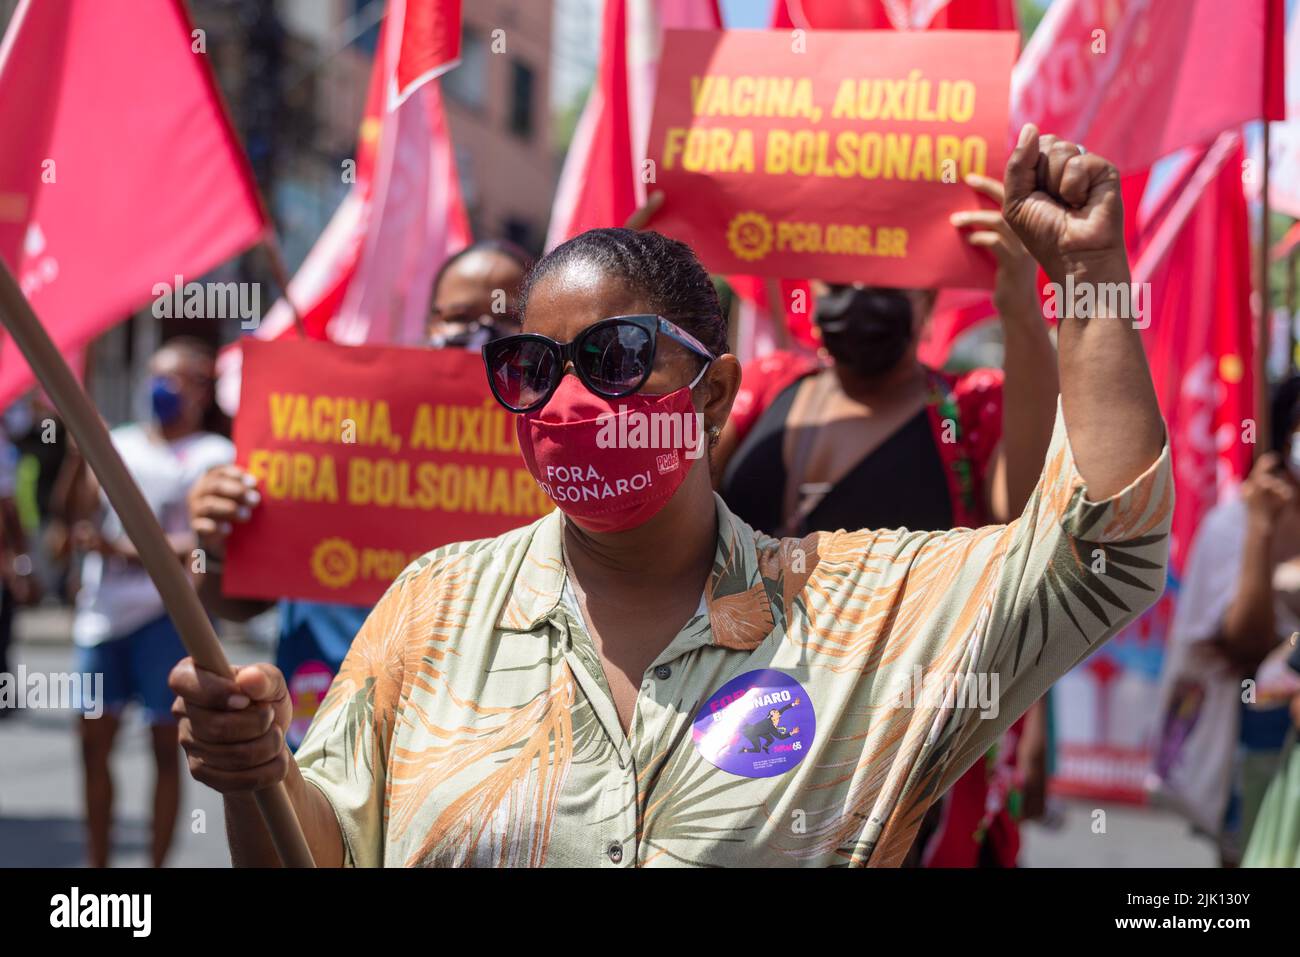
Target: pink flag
column 601, row 183
column 1135, row 80
column 119, row 170
column 1284, row 145
column 900, row 14
column 416, row 217
column 364, row 279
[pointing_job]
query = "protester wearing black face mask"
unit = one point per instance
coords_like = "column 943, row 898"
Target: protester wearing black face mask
column 868, row 330
column 877, row 439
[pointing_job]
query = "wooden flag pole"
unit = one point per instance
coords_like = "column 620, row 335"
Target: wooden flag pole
column 168, row 574
column 280, row 273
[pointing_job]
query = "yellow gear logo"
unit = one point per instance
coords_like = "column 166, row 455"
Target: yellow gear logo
column 334, row 563
column 750, row 236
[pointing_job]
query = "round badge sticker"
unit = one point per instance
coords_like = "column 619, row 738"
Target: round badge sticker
column 757, row 725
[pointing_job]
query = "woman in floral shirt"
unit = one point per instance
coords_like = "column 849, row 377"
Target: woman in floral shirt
column 573, row 692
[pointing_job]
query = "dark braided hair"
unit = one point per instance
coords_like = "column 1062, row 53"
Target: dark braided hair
column 661, row 270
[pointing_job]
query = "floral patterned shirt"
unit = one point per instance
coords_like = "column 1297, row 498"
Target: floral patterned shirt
column 837, row 686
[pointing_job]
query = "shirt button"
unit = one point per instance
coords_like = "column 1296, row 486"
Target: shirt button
column 663, row 672
column 615, row 852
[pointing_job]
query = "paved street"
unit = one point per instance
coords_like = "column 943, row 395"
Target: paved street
column 41, row 803
column 40, row 777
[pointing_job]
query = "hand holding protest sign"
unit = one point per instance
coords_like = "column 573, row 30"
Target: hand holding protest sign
column 837, row 154
column 365, row 458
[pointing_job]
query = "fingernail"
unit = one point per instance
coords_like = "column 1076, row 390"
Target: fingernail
column 1027, row 133
column 237, row 702
column 252, row 497
column 244, row 513
column 959, row 219
column 226, row 528
column 250, row 480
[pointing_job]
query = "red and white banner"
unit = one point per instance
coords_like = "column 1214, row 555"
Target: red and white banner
column 119, row 169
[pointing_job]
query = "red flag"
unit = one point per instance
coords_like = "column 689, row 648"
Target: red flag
column 1284, row 144
column 1135, row 80
column 429, row 45
column 1196, row 256
column 897, row 14
column 601, row 183
column 416, row 220
column 120, row 170
column 1195, row 253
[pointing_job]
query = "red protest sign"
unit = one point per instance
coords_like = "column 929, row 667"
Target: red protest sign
column 837, row 155
column 366, row 457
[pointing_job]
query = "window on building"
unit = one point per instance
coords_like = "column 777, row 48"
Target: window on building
column 521, row 99
column 466, row 83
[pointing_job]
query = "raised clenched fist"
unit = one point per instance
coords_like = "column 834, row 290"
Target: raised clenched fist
column 1066, row 207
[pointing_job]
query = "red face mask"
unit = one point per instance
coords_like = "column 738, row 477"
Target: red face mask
column 610, row 464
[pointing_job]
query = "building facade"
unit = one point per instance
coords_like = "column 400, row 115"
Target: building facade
column 498, row 107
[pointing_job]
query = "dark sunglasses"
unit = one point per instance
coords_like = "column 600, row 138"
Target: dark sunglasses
column 613, row 358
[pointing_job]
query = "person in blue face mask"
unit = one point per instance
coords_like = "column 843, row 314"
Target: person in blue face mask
column 120, row 628
column 472, row 302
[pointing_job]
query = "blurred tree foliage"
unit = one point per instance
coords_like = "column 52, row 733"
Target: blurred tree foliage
column 1031, row 14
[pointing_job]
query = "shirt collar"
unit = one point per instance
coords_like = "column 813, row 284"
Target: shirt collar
column 740, row 612
column 539, row 579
